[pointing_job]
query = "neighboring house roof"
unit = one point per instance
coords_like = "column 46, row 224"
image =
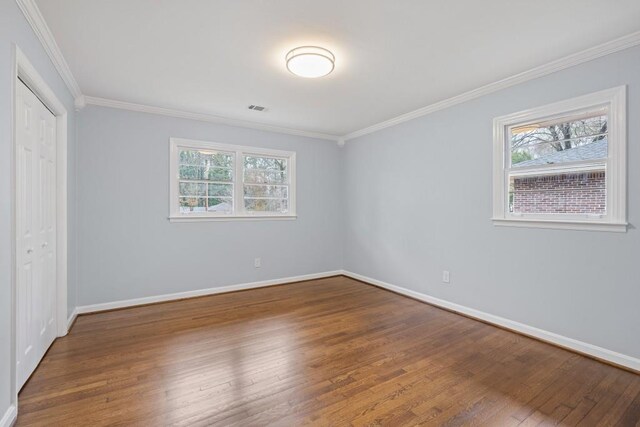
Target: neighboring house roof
column 220, row 207
column 595, row 150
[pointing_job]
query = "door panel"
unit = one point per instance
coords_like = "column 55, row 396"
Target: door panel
column 35, row 231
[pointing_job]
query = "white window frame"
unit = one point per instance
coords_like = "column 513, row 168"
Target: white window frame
column 615, row 219
column 238, row 213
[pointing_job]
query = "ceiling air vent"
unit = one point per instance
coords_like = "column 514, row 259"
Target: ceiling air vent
column 256, row 107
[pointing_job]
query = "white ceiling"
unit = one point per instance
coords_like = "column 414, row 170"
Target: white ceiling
column 392, row 57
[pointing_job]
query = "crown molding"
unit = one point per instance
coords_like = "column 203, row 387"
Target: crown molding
column 590, row 54
column 42, row 31
column 30, row 10
column 33, row 15
column 80, row 102
column 103, row 102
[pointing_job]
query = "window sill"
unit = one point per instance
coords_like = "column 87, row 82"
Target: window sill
column 233, row 218
column 561, row 224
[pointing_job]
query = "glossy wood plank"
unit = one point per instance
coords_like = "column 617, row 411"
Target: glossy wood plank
column 325, row 352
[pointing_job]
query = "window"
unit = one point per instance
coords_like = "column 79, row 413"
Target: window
column 215, row 181
column 563, row 165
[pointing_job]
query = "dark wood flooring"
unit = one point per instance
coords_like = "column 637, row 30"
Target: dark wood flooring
column 328, row 352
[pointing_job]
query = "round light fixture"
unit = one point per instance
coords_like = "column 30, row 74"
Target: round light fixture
column 310, row 61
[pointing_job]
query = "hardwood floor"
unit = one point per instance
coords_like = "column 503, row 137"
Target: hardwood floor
column 326, row 352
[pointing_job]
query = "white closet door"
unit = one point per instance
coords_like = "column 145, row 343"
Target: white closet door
column 35, row 231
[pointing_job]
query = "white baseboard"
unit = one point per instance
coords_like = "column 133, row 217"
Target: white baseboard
column 550, row 337
column 200, row 292
column 72, row 318
column 9, row 417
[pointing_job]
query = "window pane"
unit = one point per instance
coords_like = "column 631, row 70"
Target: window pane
column 192, row 189
column 277, row 191
column 220, row 204
column 255, row 176
column 220, row 189
column 572, row 193
column 268, row 163
column 194, row 205
column 263, row 189
column 266, row 205
column 265, row 170
column 206, row 165
column 206, row 158
column 569, row 139
column 205, row 173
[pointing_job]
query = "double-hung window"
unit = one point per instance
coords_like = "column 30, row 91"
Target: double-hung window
column 212, row 181
column 563, row 165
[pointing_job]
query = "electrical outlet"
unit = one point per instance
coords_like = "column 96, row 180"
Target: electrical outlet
column 445, row 276
column 257, row 263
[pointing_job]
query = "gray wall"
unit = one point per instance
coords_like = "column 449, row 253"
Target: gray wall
column 128, row 248
column 15, row 29
column 419, row 202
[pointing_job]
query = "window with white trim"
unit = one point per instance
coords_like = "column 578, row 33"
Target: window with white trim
column 212, row 181
column 563, row 165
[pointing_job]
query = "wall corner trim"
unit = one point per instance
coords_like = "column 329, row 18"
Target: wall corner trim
column 578, row 58
column 80, row 102
column 31, row 11
column 72, row 318
column 590, row 350
column 202, row 292
column 10, row 416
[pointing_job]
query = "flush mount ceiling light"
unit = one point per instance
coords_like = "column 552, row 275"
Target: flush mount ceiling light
column 310, row 61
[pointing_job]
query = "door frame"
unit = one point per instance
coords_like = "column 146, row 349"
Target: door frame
column 23, row 69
